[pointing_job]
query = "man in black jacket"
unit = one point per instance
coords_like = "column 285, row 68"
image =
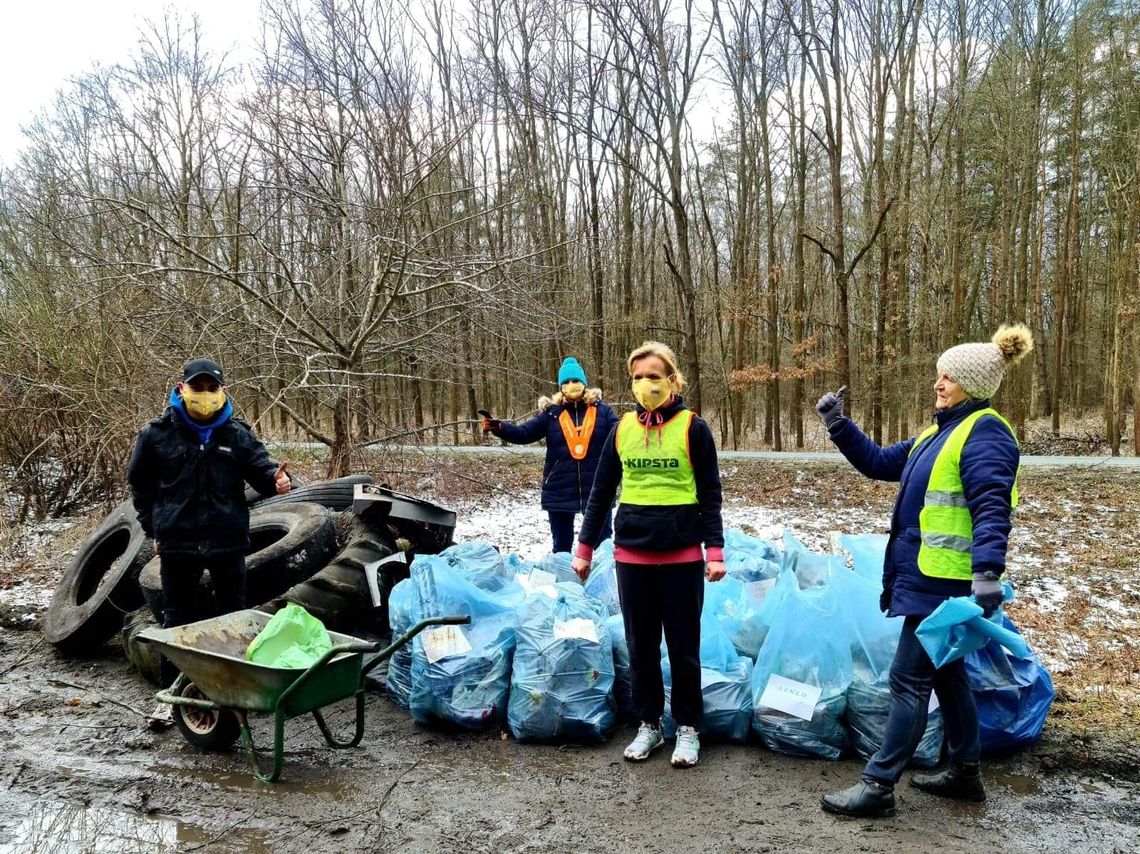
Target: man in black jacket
column 187, row 474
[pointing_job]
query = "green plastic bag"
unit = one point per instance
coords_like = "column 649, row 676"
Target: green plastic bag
column 292, row 639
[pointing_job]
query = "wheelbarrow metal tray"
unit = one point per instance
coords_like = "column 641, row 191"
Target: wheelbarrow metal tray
column 211, row 653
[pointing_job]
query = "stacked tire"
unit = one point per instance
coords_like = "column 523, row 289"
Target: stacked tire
column 288, row 543
column 102, row 583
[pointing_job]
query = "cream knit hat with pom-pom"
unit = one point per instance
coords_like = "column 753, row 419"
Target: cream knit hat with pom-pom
column 979, row 368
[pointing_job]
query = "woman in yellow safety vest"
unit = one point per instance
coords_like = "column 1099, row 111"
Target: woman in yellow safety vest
column 949, row 531
column 575, row 423
column 664, row 458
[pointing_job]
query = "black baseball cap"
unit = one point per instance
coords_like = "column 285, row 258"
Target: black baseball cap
column 203, row 367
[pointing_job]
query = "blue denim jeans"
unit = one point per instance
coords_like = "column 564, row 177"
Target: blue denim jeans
column 913, row 677
column 562, row 529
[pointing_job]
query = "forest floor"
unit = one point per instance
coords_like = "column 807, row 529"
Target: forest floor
column 77, row 766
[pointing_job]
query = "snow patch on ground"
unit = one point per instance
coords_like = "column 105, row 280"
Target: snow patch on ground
column 1048, row 594
column 515, row 524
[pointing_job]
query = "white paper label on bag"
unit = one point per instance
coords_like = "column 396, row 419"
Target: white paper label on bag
column 759, row 590
column 542, row 578
column 794, row 698
column 531, row 586
column 443, row 642
column 933, row 705
column 579, row 627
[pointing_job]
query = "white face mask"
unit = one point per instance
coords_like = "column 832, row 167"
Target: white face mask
column 573, row 390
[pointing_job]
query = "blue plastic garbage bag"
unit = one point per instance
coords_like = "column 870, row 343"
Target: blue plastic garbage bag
column 399, row 677
column 736, row 540
column 744, row 611
column 750, row 559
column 601, row 585
column 563, row 675
column 558, row 565
column 480, row 563
column 875, row 639
column 810, row 569
column 799, row 684
column 467, row 687
column 957, row 628
column 623, row 674
column 868, row 553
column 461, row 674
column 726, row 688
column 1013, row 696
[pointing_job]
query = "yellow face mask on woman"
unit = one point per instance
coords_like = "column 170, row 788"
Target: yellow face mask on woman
column 652, row 394
column 202, row 404
column 573, row 390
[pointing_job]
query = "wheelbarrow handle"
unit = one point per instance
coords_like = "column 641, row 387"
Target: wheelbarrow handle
column 386, row 652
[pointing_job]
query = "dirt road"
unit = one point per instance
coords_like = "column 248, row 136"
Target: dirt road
column 78, row 766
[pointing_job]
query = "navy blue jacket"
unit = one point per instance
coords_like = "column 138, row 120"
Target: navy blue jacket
column 566, row 482
column 189, row 489
column 988, row 468
column 660, row 528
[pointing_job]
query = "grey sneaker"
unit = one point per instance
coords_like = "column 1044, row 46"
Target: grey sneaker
column 649, row 738
column 687, row 750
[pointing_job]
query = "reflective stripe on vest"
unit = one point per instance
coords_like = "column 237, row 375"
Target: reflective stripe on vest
column 945, row 523
column 658, row 472
column 578, row 438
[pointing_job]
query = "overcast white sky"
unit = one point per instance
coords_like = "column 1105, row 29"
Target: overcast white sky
column 44, row 42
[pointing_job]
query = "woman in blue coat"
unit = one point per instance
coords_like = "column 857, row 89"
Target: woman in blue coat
column 575, row 424
column 949, row 532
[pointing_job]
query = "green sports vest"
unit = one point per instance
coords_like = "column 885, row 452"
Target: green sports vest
column 661, row 472
column 945, row 524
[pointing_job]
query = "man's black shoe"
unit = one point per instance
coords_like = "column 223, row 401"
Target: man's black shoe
column 961, row 781
column 863, row 800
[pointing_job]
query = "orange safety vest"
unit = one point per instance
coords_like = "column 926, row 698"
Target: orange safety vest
column 578, row 438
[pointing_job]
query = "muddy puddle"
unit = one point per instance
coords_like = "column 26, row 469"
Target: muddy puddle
column 61, row 827
column 79, row 773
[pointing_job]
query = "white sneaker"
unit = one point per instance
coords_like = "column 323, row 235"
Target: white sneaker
column 649, row 738
column 688, row 748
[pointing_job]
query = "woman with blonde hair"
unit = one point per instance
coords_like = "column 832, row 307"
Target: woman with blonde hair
column 664, row 458
column 949, row 532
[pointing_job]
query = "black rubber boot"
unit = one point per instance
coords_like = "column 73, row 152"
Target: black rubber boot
column 863, row 800
column 960, row 781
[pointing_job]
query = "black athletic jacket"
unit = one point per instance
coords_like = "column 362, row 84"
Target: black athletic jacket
column 190, row 496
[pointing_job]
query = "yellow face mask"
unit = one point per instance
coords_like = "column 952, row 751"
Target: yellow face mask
column 202, row 404
column 573, row 390
column 652, row 394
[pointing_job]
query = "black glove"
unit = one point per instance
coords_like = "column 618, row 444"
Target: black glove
column 830, row 407
column 885, row 601
column 492, row 425
column 987, row 591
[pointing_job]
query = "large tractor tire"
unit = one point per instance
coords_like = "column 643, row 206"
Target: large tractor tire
column 99, row 585
column 338, row 595
column 288, row 543
column 335, row 494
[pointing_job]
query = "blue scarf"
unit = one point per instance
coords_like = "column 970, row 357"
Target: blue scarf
column 204, row 430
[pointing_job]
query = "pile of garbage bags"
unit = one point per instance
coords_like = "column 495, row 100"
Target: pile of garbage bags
column 794, row 650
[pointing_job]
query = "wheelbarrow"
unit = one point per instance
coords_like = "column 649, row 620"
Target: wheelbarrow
column 217, row 687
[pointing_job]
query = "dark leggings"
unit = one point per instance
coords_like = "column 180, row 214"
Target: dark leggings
column 665, row 596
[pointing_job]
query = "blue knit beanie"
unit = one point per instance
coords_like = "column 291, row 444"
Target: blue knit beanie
column 571, row 371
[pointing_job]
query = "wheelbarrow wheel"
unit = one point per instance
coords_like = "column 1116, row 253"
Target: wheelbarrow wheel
column 205, row 729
